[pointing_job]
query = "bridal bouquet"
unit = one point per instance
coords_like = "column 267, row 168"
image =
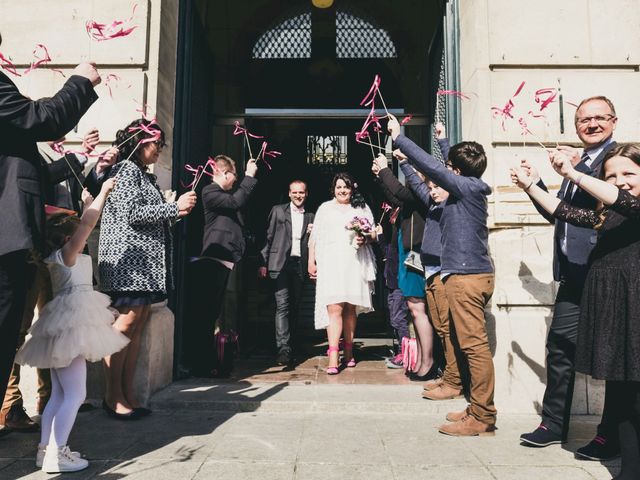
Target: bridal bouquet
column 359, row 226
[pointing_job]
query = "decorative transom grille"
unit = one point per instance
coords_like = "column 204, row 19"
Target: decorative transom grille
column 357, row 37
column 326, row 150
column 440, row 110
column 290, row 38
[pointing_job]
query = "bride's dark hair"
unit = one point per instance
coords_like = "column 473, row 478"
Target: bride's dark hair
column 357, row 200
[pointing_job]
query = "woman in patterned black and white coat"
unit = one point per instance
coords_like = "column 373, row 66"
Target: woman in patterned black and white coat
column 134, row 255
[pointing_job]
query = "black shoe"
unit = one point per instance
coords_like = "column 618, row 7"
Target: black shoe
column 16, row 419
column 433, row 373
column 283, row 358
column 599, row 449
column 540, row 437
column 132, row 415
column 142, row 411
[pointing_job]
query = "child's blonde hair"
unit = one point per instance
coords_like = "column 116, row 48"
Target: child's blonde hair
column 59, row 227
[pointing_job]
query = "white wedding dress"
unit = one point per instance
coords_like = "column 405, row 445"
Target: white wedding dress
column 345, row 274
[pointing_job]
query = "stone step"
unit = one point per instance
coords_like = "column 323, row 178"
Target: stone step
column 199, row 394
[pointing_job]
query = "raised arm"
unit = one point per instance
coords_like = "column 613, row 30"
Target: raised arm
column 49, row 118
column 88, row 221
column 420, row 188
column 426, row 163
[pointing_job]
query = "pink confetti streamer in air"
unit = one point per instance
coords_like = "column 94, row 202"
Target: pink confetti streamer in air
column 60, row 149
column 154, row 133
column 406, row 119
column 361, row 136
column 545, row 96
column 525, row 128
column 371, row 94
column 8, row 65
column 267, row 153
column 102, row 31
column 456, row 93
column 385, row 206
column 505, row 112
column 113, row 80
column 196, row 172
column 243, row 131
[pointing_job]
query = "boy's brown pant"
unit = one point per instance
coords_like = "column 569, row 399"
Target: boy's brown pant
column 438, row 307
column 468, row 296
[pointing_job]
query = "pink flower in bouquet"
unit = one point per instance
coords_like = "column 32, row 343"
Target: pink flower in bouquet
column 359, row 226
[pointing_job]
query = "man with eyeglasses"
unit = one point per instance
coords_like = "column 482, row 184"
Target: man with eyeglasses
column 595, row 121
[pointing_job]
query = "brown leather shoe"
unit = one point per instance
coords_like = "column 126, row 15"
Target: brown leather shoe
column 442, row 392
column 468, row 426
column 16, row 419
column 431, row 384
column 457, row 416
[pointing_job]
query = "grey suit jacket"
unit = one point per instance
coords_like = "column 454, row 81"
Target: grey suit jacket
column 278, row 246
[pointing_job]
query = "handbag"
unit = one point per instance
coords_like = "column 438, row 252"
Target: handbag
column 413, row 262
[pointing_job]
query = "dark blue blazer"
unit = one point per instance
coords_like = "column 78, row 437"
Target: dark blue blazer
column 580, row 241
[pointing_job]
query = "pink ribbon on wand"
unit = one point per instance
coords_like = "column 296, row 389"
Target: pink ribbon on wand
column 506, row 111
column 243, row 131
column 545, row 96
column 8, row 65
column 385, row 208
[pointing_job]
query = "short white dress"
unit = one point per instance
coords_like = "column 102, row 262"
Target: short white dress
column 345, row 274
column 76, row 322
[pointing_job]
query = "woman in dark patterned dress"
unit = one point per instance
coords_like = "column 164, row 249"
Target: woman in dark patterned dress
column 134, row 254
column 609, row 330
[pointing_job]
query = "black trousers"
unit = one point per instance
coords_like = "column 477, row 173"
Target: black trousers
column 288, row 285
column 625, row 404
column 561, row 352
column 15, row 277
column 206, row 288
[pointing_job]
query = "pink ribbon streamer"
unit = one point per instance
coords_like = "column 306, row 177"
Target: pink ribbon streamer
column 455, row 93
column 243, row 131
column 545, row 96
column 8, row 65
column 525, row 128
column 269, row 153
column 102, row 31
column 154, row 133
column 406, row 119
column 371, row 94
column 112, row 79
column 58, row 147
column 505, row 112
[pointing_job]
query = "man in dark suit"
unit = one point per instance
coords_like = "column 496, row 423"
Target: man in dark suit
column 23, row 122
column 595, row 121
column 223, row 246
column 282, row 259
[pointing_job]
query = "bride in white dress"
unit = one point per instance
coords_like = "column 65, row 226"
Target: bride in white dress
column 344, row 266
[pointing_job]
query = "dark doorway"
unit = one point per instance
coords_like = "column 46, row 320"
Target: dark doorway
column 291, row 72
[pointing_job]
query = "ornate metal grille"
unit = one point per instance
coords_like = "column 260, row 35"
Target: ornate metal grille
column 440, row 112
column 326, row 150
column 290, row 38
column 358, row 37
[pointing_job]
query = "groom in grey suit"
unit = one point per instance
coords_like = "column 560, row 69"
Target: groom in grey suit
column 283, row 259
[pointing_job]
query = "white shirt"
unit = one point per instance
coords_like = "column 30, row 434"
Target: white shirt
column 297, row 221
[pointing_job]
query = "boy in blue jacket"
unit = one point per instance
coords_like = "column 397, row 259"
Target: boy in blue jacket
column 466, row 269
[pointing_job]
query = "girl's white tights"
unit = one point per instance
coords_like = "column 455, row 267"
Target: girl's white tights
column 68, row 391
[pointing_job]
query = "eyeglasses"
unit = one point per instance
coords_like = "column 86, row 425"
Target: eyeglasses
column 599, row 119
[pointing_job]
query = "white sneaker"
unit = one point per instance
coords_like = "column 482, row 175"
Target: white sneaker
column 62, row 460
column 40, row 455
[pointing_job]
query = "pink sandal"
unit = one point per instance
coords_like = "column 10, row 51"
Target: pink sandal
column 332, row 370
column 351, row 363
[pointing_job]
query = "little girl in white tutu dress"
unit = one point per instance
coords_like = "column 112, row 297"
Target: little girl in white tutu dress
column 73, row 327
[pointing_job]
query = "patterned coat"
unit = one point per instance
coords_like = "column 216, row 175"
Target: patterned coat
column 135, row 238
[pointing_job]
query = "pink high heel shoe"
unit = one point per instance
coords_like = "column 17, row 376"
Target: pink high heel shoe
column 332, row 370
column 352, row 362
